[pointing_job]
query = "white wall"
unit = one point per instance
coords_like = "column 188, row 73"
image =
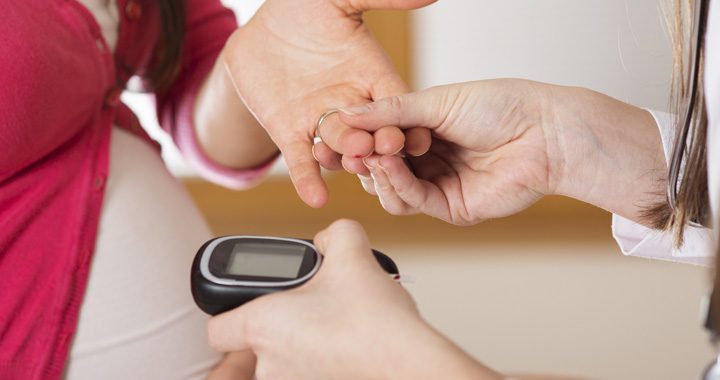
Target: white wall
column 618, row 47
column 244, row 9
column 599, row 315
column 580, row 310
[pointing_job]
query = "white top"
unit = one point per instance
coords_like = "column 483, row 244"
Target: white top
column 636, row 240
column 138, row 319
column 106, row 15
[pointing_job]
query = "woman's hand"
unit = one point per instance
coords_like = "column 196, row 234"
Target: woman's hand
column 500, row 145
column 351, row 321
column 296, row 59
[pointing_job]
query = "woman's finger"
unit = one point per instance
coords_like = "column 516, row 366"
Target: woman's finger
column 354, row 165
column 417, row 141
column 342, row 139
column 305, row 172
column 389, row 141
column 327, row 158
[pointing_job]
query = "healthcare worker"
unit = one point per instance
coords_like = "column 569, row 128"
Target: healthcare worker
column 498, row 146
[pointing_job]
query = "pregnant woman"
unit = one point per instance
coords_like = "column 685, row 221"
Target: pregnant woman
column 95, row 236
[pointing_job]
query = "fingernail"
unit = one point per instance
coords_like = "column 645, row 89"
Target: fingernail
column 397, row 152
column 346, row 169
column 370, row 153
column 369, row 162
column 419, row 154
column 355, row 110
column 381, row 167
column 312, row 150
column 368, row 165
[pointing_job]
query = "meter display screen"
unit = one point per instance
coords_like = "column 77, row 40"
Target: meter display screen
column 265, row 260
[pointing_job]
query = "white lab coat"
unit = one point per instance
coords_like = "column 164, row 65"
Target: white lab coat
column 636, row 240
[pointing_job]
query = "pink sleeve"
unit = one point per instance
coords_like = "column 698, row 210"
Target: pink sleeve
column 208, row 25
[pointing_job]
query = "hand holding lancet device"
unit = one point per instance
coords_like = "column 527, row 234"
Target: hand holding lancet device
column 229, row 271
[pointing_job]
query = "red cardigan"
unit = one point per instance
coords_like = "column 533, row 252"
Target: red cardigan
column 59, row 96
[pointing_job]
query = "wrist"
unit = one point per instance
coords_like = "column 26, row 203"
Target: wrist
column 226, row 131
column 608, row 153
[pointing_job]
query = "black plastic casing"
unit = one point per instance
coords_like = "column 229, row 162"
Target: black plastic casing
column 214, row 298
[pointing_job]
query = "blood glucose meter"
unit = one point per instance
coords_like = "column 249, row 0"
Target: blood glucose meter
column 229, row 271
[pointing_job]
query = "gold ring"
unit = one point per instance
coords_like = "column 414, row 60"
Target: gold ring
column 316, row 137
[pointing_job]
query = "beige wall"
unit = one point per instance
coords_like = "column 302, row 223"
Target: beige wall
column 571, row 309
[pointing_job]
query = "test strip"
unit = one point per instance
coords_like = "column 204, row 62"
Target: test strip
column 403, row 279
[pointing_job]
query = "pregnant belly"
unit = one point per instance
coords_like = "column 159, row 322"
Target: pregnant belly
column 138, row 319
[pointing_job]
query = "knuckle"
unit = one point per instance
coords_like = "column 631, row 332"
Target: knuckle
column 367, row 184
column 395, row 102
column 393, row 208
column 383, row 187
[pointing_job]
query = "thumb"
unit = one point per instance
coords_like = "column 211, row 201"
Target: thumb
column 365, row 5
column 416, row 109
column 238, row 365
column 342, row 242
column 227, row 331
